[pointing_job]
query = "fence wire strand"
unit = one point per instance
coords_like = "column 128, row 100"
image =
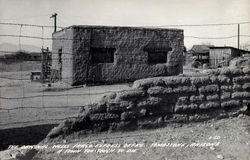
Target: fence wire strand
column 88, row 93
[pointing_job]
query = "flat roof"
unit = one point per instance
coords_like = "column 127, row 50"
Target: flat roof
column 115, row 27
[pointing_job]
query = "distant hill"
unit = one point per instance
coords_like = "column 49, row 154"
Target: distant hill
column 14, row 48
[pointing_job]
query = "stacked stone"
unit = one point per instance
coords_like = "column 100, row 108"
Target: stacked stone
column 155, row 102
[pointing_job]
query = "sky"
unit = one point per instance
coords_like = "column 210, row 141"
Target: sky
column 148, row 13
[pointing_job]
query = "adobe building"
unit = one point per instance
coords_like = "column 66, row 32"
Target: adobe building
column 96, row 54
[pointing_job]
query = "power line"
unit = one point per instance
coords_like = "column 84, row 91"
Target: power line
column 30, row 17
column 174, row 25
column 46, row 38
column 30, row 25
column 199, row 25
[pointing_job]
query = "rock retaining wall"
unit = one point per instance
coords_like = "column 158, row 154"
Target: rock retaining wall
column 155, row 102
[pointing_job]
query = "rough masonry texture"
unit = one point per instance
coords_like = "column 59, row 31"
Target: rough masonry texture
column 156, row 102
column 127, row 57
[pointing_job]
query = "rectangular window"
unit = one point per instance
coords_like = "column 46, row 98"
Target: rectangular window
column 157, row 57
column 60, row 55
column 102, row 55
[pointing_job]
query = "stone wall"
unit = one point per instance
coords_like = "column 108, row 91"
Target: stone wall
column 130, row 56
column 156, row 102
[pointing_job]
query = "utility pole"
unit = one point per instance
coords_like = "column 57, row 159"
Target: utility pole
column 238, row 36
column 54, row 16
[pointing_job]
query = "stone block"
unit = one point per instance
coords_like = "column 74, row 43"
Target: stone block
column 230, row 104
column 128, row 115
column 147, row 83
column 127, row 125
column 237, row 87
column 150, row 101
column 183, row 101
column 184, row 89
column 225, row 71
column 239, row 80
column 246, row 87
column 246, row 79
column 197, row 81
column 100, row 127
column 241, row 95
column 226, row 87
column 209, row 89
column 157, row 90
column 103, row 116
column 195, row 99
column 180, row 118
column 225, row 95
column 214, row 79
column 115, row 108
column 212, row 97
column 97, row 108
column 173, row 81
column 185, row 108
column 246, row 70
column 199, row 117
column 236, row 72
column 209, row 105
column 150, row 122
column 222, row 79
column 130, row 94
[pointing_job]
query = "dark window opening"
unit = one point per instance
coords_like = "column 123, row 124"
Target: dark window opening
column 60, row 55
column 102, row 55
column 157, row 57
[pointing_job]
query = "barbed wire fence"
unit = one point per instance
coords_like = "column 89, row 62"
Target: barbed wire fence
column 85, row 95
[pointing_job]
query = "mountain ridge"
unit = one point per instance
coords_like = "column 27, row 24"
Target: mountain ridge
column 9, row 47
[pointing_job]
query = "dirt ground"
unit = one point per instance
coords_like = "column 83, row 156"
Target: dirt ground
column 44, row 103
column 215, row 139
